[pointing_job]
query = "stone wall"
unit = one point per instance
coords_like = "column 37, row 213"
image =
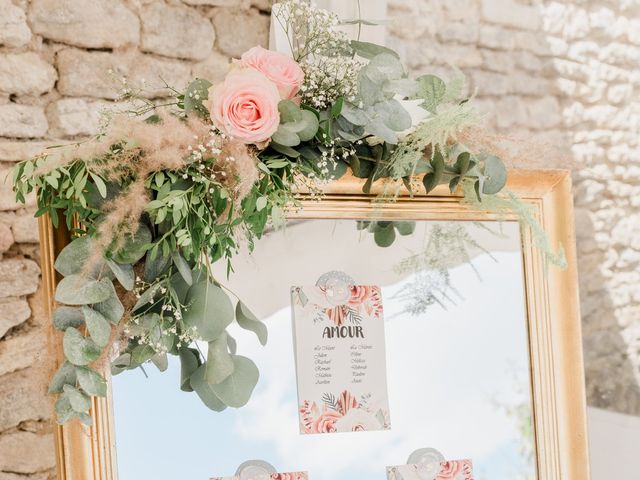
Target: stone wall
column 62, row 63
column 563, row 72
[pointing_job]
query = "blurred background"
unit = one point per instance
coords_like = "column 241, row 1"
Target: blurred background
column 560, row 78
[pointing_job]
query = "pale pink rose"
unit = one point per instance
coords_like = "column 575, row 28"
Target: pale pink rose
column 245, row 106
column 455, row 469
column 326, row 422
column 282, row 70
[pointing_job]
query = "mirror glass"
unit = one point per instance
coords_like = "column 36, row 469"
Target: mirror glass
column 458, row 366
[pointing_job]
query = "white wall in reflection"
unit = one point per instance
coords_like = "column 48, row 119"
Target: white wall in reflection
column 458, row 378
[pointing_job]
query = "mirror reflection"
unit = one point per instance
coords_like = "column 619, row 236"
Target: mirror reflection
column 458, row 370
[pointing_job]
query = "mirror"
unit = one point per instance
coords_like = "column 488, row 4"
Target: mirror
column 457, row 349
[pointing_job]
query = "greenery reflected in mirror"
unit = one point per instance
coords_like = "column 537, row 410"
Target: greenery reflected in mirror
column 457, row 360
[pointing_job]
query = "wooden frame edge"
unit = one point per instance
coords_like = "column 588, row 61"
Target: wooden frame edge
column 88, row 453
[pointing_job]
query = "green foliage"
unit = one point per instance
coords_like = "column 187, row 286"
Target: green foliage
column 384, row 232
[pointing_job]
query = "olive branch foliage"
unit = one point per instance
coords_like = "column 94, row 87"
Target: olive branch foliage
column 154, row 294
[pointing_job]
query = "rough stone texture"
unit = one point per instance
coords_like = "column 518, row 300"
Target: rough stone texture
column 565, row 73
column 16, row 452
column 22, row 121
column 94, row 24
column 25, row 74
column 62, row 64
column 255, row 30
column 18, row 277
column 14, row 311
column 176, row 32
column 14, row 31
column 563, row 76
column 104, row 75
column 25, row 228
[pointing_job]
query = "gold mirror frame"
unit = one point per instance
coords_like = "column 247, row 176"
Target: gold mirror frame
column 555, row 342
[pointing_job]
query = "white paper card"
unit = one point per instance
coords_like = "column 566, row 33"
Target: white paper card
column 340, row 359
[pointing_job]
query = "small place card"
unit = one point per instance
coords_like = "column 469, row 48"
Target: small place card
column 449, row 470
column 340, row 359
column 273, row 476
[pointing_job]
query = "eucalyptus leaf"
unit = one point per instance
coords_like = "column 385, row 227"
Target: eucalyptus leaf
column 232, row 344
column 65, row 375
column 123, row 273
column 142, row 354
column 189, row 363
column 385, row 236
column 135, row 246
column 432, row 90
column 284, row 136
column 289, row 111
column 431, row 180
column 205, row 391
column 235, row 391
column 393, row 114
column 155, row 267
column 219, row 363
column 247, row 320
column 209, row 310
column 183, row 267
column 310, row 126
column 161, row 361
column 111, row 308
column 121, row 363
column 384, row 67
column 78, row 400
column 91, row 381
column 405, row 87
column 405, row 228
column 283, row 149
column 73, row 258
column 78, row 349
column 63, row 409
column 149, row 295
column 495, row 175
column 98, row 326
column 196, row 94
column 65, row 317
column 369, row 50
column 77, row 290
column 354, row 115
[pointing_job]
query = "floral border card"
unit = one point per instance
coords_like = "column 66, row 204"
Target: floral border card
column 340, row 359
column 449, row 470
column 274, row 476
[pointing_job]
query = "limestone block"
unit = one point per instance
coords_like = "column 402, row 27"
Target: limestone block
column 459, row 32
column 490, row 83
column 17, row 452
column 213, row 68
column 511, row 14
column 255, row 30
column 87, row 73
column 220, row 3
column 498, row 61
column 18, row 276
column 176, row 31
column 11, row 151
column 94, row 24
column 15, row 388
column 496, row 37
column 25, row 228
column 544, row 113
column 25, row 74
column 23, row 351
column 13, row 312
column 14, row 31
column 6, row 238
column 71, row 117
column 22, row 121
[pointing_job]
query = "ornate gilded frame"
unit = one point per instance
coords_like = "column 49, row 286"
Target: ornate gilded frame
column 88, row 453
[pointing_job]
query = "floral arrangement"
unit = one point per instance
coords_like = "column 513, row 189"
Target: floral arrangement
column 159, row 196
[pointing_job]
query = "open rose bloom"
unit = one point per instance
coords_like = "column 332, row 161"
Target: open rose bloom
column 245, row 106
column 282, row 70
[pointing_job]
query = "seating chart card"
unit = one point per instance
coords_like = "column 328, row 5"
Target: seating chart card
column 449, row 470
column 340, row 359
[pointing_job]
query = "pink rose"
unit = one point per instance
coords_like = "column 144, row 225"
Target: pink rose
column 455, row 469
column 289, row 476
column 326, row 422
column 245, row 106
column 282, row 70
